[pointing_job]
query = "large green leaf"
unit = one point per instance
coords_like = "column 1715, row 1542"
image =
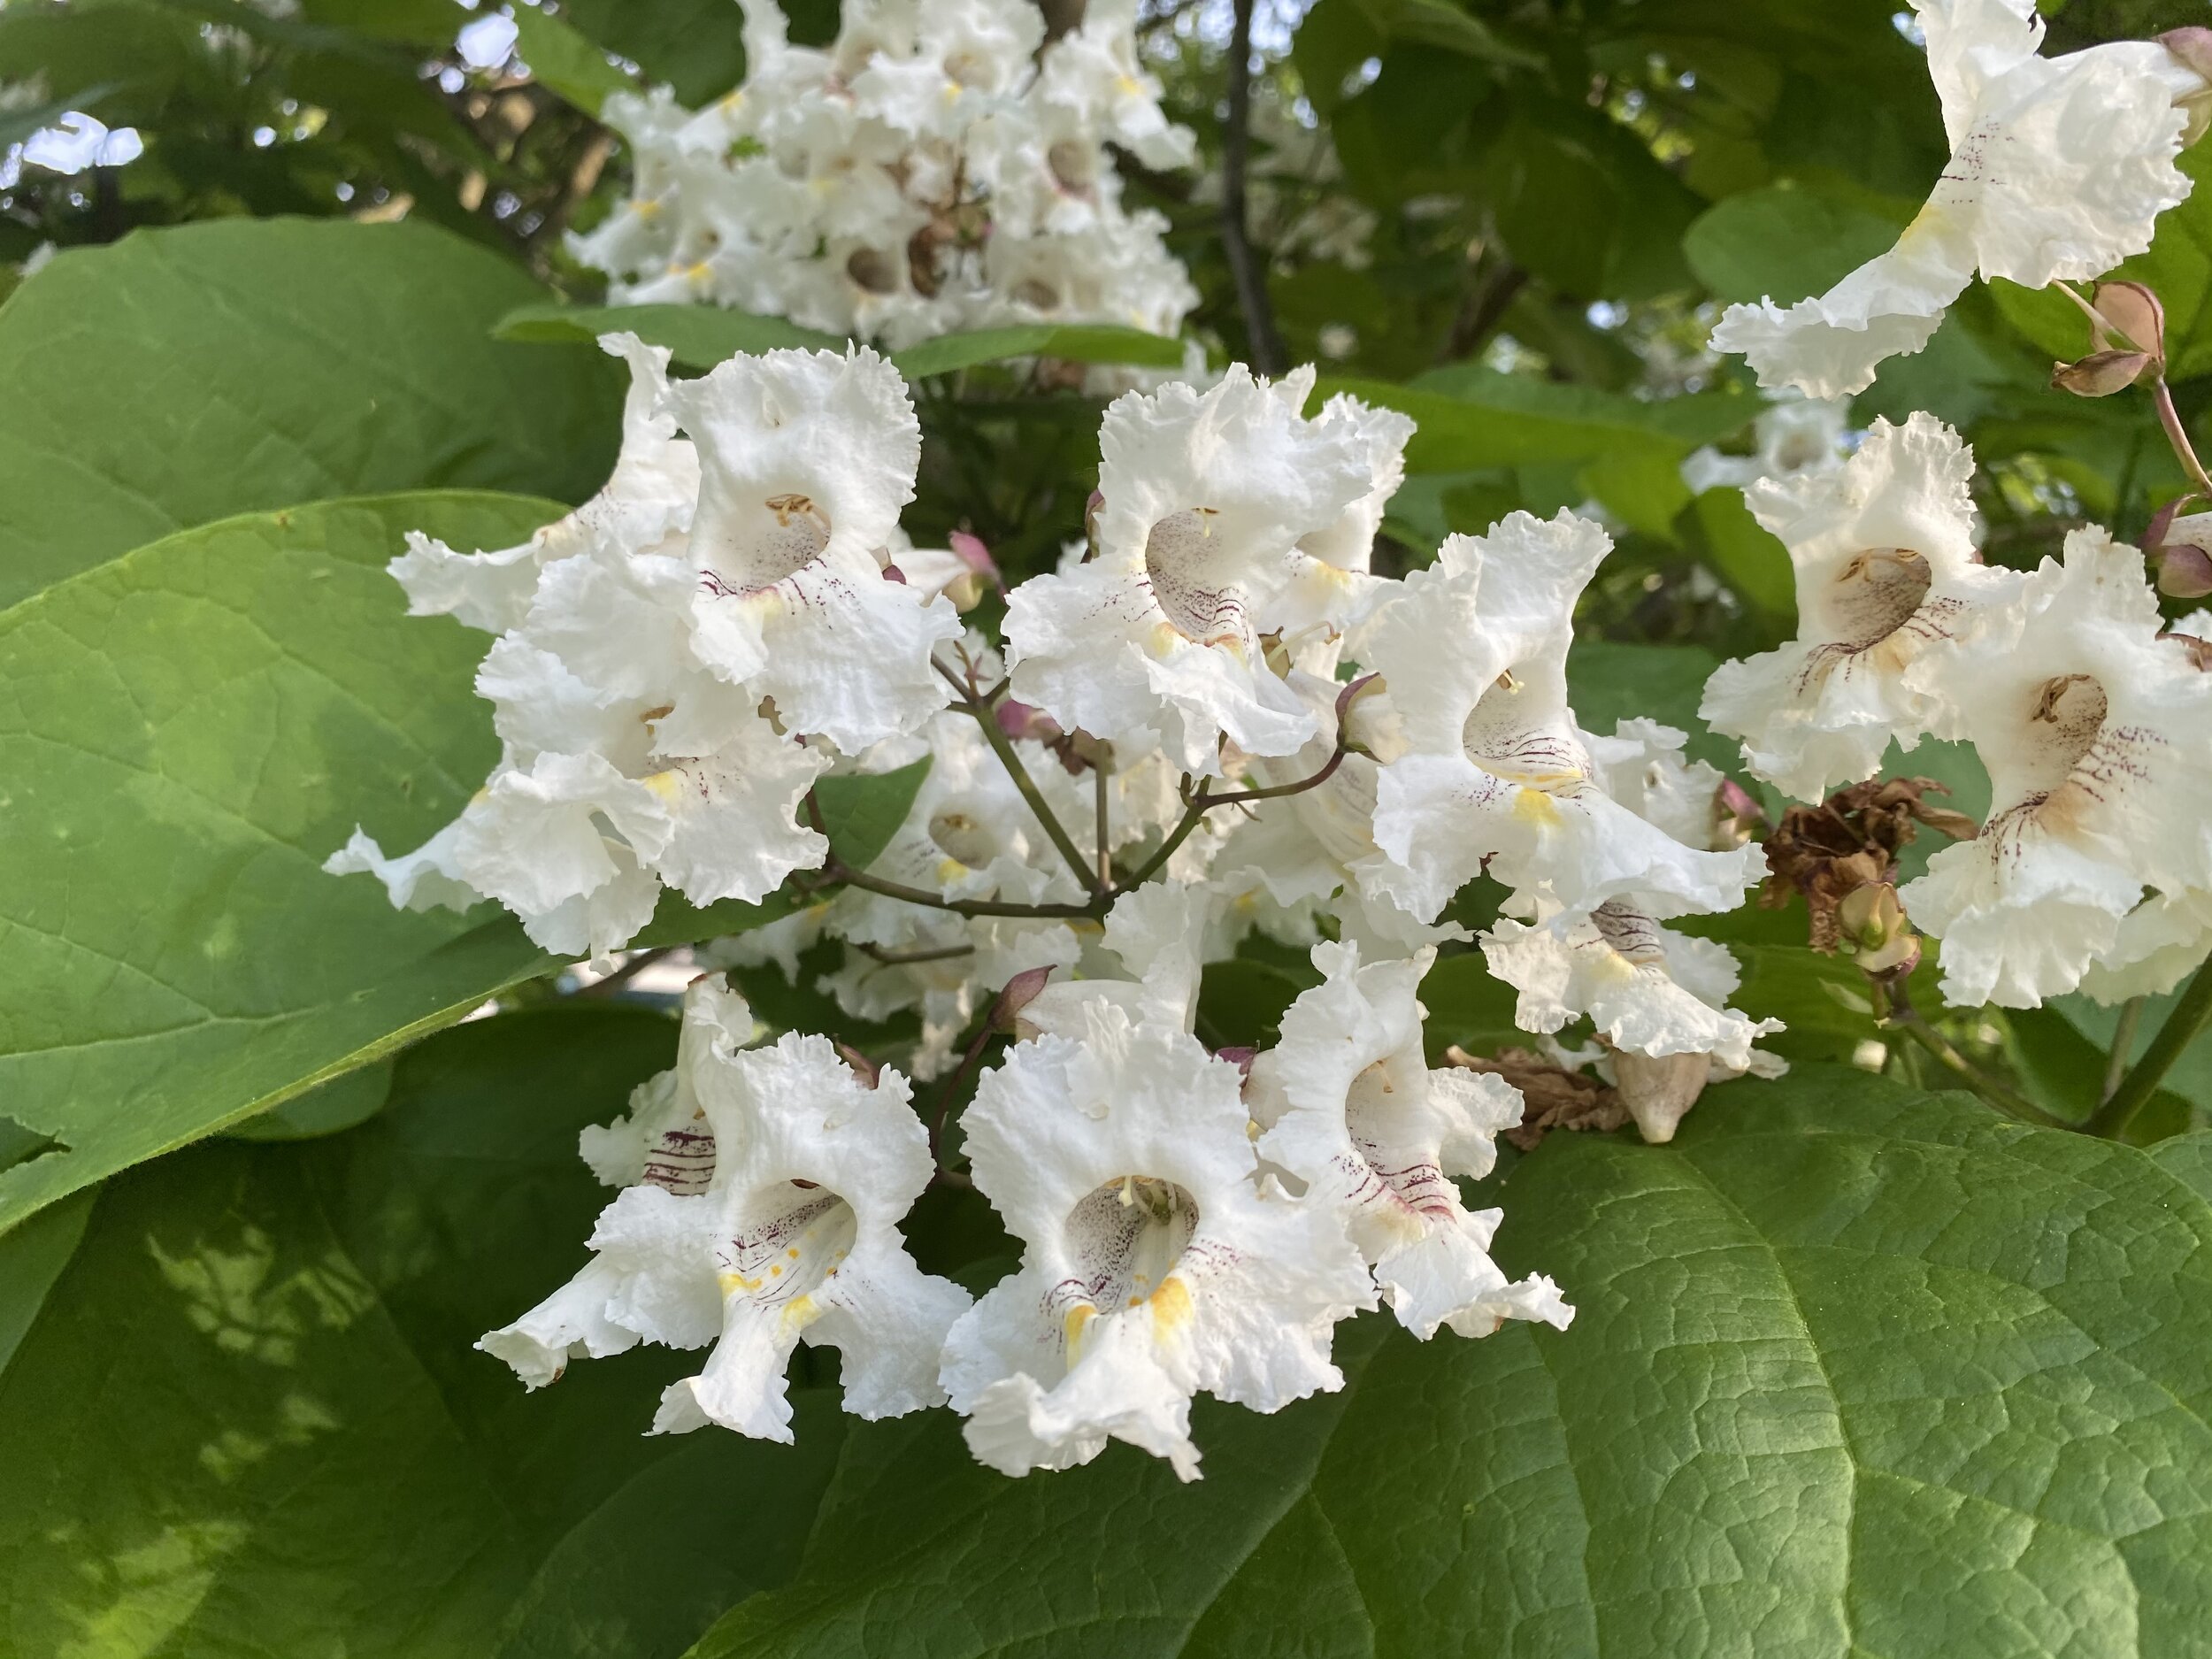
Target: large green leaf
column 1474, row 417
column 180, row 376
column 698, row 336
column 1072, row 342
column 1783, row 242
column 248, row 1418
column 185, row 734
column 861, row 813
column 1855, row 1370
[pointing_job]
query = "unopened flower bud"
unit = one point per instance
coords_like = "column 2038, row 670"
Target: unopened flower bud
column 1240, row 1058
column 867, row 1071
column 1090, row 522
column 1738, row 812
column 2192, row 47
column 982, row 573
column 1367, row 722
column 2184, row 571
column 2102, row 374
column 1018, row 720
column 1020, row 992
column 2137, row 320
column 1659, row 1090
column 1875, row 931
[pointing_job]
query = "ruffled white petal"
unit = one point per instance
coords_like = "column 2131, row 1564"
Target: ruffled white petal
column 2059, row 168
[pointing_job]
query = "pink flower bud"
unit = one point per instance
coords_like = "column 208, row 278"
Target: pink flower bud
column 867, row 1071
column 1020, row 992
column 1018, row 720
column 1240, row 1058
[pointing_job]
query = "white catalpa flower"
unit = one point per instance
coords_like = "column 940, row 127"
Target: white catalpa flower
column 1645, row 767
column 1886, row 573
column 647, row 499
column 2097, row 736
column 792, row 1235
column 1297, row 858
column 1204, row 500
column 1648, row 989
column 1493, row 771
column 805, row 459
column 1794, row 434
column 2059, row 168
column 600, row 801
column 1156, row 1263
column 1351, row 1109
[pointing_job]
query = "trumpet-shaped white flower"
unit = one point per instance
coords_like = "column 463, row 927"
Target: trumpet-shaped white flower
column 805, row 459
column 1648, row 989
column 1494, row 773
column 1350, row 1107
column 1298, row 855
column 1155, row 1262
column 1886, row 573
column 2059, row 168
column 1794, row 435
column 578, row 841
column 648, row 498
column 2097, row 736
column 1204, row 499
column 793, row 1236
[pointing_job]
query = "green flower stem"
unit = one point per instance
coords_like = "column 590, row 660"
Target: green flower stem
column 2181, row 1026
column 987, row 722
column 2115, row 1063
column 1996, row 1094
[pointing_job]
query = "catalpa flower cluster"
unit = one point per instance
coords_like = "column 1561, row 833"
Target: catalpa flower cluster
column 938, row 167
column 1213, row 718
column 2094, row 721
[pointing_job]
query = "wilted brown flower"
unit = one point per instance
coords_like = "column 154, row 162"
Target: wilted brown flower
column 1553, row 1097
column 1851, row 840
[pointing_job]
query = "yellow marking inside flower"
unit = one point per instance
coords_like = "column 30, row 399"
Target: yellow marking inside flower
column 794, row 1254
column 731, row 100
column 734, row 1282
column 645, row 209
column 1128, row 86
column 950, row 870
column 1072, row 1326
column 1535, row 806
column 775, row 1270
column 697, row 270
column 666, row 785
column 799, row 1313
column 1171, row 1304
